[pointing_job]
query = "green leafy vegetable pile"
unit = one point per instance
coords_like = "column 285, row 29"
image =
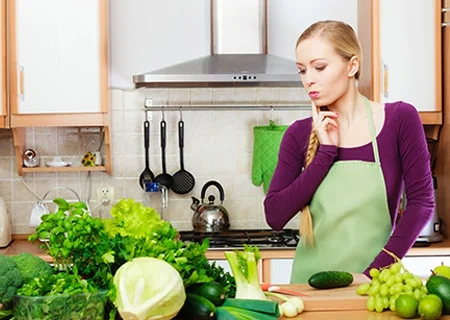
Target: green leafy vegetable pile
column 94, row 249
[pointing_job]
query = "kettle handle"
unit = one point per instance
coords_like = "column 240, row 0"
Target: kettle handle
column 217, row 185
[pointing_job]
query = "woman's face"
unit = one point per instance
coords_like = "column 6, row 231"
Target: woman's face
column 324, row 74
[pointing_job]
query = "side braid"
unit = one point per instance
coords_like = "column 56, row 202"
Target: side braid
column 306, row 227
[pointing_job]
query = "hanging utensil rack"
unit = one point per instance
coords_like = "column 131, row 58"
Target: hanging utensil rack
column 148, row 106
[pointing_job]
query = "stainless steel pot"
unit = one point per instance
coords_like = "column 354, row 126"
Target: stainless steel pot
column 209, row 217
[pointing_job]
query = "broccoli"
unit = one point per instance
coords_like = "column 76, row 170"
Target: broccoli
column 10, row 280
column 31, row 266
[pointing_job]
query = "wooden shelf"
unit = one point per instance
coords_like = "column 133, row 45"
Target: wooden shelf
column 63, row 169
column 19, row 138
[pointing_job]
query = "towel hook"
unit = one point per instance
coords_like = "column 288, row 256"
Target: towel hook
column 271, row 113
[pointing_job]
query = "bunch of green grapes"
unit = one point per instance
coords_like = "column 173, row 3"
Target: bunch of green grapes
column 387, row 284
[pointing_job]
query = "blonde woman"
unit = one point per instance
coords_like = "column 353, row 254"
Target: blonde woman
column 343, row 170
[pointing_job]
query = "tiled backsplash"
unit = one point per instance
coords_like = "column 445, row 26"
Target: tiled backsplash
column 218, row 146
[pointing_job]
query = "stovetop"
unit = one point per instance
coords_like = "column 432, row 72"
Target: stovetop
column 236, row 238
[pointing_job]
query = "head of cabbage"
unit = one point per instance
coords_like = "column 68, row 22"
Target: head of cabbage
column 148, row 288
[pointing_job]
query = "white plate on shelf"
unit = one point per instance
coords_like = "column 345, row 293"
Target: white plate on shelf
column 58, row 164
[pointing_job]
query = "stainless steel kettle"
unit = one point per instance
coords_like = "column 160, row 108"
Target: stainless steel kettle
column 209, row 217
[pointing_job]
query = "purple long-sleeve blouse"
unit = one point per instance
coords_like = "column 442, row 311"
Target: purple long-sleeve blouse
column 404, row 158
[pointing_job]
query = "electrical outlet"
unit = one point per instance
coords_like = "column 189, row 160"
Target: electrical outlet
column 105, row 195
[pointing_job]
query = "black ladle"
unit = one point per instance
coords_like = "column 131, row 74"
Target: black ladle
column 147, row 175
column 164, row 178
column 183, row 181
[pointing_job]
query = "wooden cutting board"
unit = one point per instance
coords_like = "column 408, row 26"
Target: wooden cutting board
column 339, row 299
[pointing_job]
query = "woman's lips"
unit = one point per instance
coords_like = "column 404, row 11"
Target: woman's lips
column 314, row 94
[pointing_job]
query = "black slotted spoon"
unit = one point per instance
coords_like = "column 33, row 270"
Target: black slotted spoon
column 183, row 181
column 164, row 178
column 147, row 175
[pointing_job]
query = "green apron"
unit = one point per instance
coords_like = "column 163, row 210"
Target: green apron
column 350, row 215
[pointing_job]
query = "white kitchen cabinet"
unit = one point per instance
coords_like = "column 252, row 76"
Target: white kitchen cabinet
column 3, row 103
column 402, row 54
column 151, row 34
column 422, row 266
column 280, row 271
column 58, row 56
column 287, row 19
column 408, row 52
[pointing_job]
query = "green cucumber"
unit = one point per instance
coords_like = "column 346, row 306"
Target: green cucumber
column 212, row 291
column 330, row 279
column 197, row 307
column 264, row 306
column 440, row 286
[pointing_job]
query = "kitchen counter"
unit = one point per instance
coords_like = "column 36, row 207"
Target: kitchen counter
column 435, row 249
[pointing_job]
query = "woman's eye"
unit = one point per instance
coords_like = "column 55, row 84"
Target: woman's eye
column 321, row 68
column 300, row 71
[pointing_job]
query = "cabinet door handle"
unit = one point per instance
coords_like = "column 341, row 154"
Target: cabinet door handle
column 22, row 83
column 445, row 13
column 385, row 80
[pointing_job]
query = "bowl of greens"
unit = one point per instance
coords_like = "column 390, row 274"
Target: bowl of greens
column 60, row 306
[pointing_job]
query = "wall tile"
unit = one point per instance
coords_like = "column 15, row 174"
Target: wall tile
column 134, row 100
column 160, row 96
column 6, row 190
column 201, row 96
column 116, row 100
column 179, row 97
column 6, row 167
column 6, row 145
column 223, row 96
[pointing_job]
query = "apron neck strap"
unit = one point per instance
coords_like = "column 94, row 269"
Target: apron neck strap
column 372, row 130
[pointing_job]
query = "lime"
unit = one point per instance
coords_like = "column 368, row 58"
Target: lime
column 442, row 271
column 430, row 307
column 406, row 306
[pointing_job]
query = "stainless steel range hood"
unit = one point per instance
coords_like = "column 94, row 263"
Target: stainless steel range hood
column 235, row 60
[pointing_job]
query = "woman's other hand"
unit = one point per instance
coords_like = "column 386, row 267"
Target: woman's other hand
column 326, row 126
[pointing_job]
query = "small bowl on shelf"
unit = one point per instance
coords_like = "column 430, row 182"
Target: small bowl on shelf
column 57, row 162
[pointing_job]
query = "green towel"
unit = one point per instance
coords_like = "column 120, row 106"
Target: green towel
column 266, row 145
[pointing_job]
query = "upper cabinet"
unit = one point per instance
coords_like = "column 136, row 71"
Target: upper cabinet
column 402, row 39
column 3, row 104
column 58, row 62
column 151, row 34
column 287, row 19
column 57, row 70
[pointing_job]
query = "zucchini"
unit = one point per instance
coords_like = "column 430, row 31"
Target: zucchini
column 262, row 306
column 330, row 279
column 212, row 291
column 197, row 307
column 440, row 286
column 225, row 313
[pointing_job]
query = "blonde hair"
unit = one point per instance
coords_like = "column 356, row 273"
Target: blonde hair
column 339, row 34
column 344, row 40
